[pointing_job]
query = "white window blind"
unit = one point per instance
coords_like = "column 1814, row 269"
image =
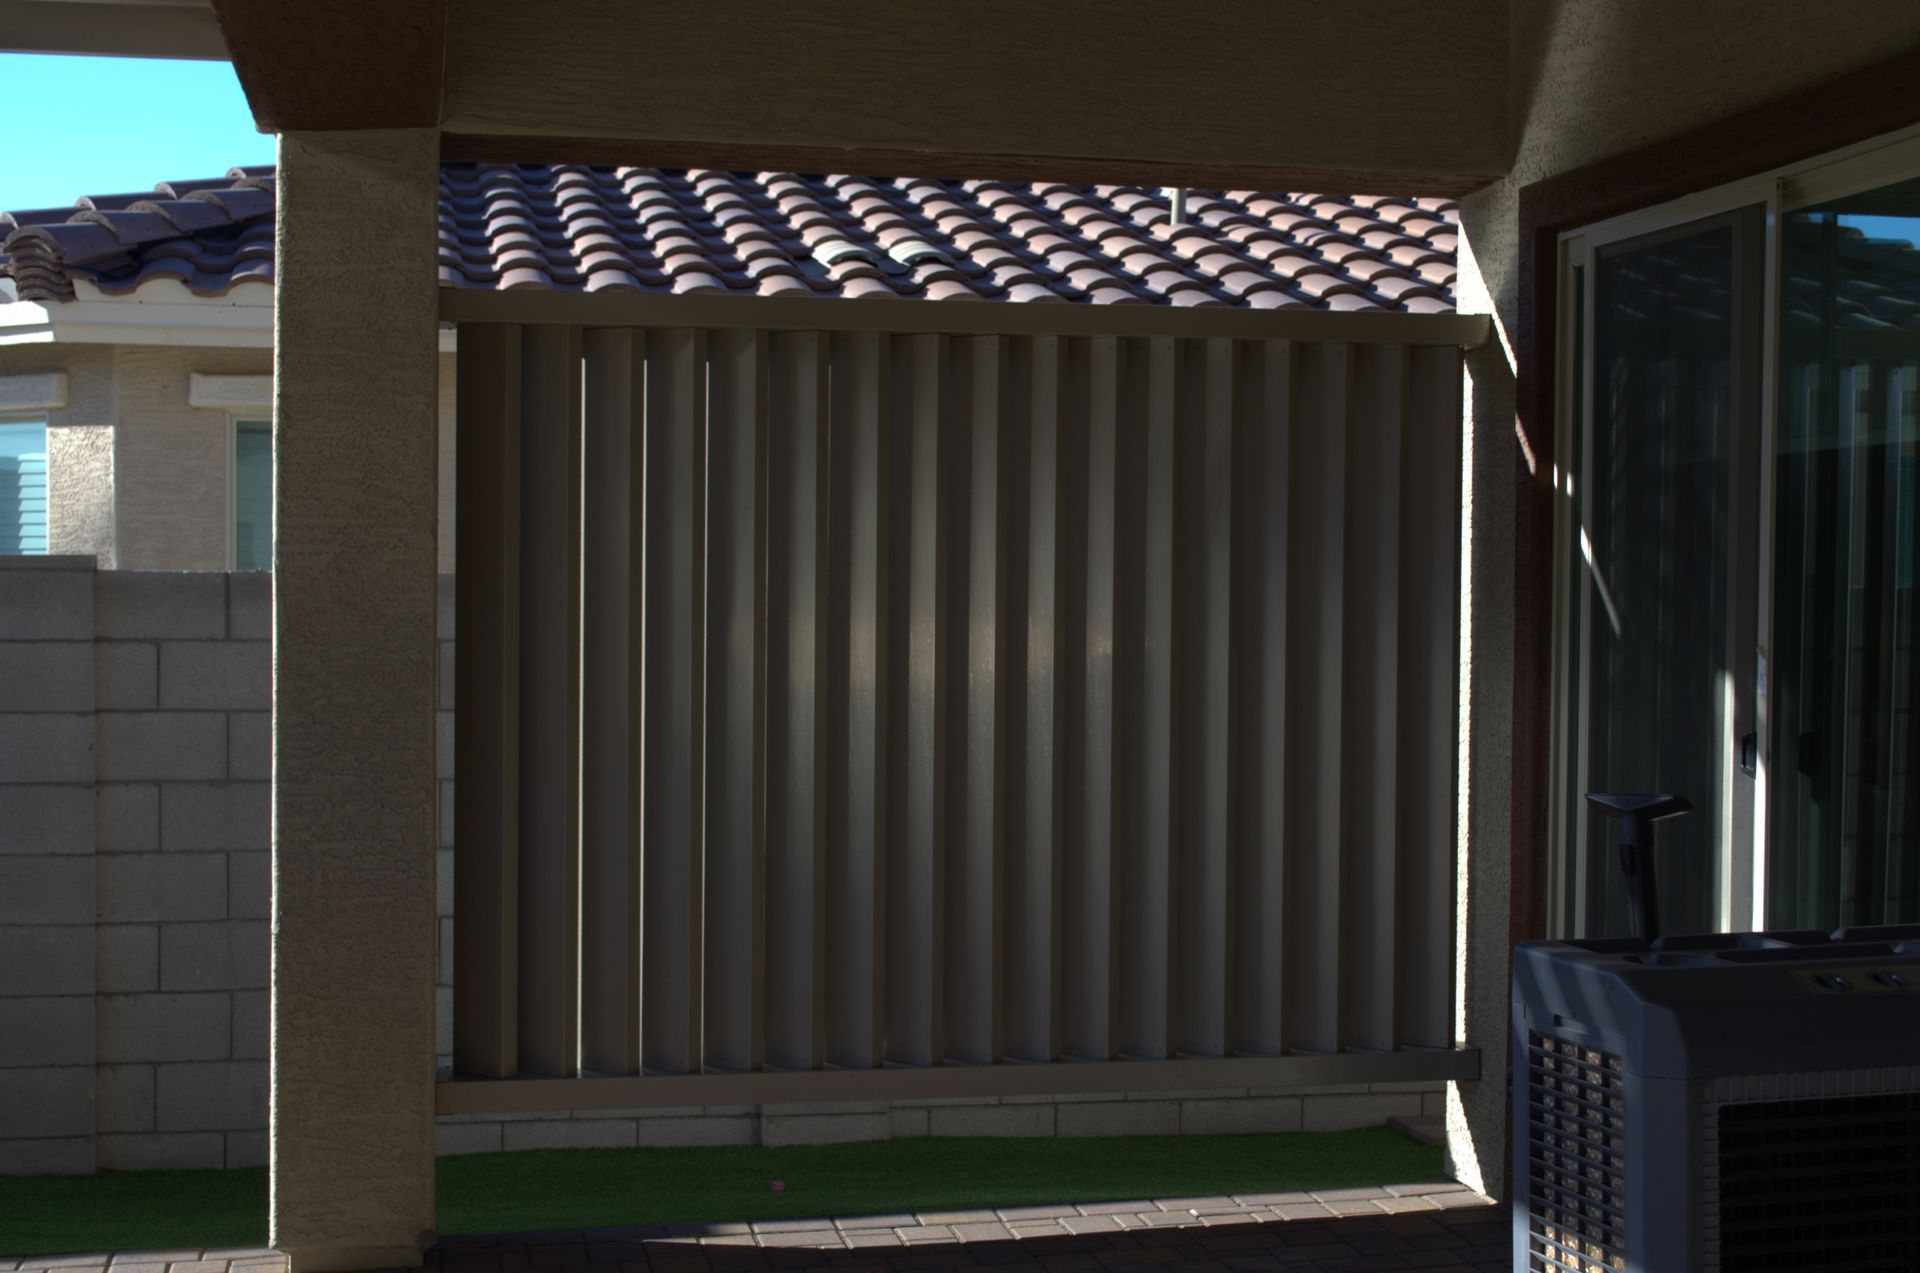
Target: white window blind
column 23, row 489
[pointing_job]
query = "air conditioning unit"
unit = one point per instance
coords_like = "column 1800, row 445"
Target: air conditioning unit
column 1722, row 1103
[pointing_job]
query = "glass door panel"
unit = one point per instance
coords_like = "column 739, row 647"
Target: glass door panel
column 1843, row 787
column 1665, row 631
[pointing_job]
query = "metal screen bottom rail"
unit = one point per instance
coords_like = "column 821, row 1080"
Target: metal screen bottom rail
column 898, row 1083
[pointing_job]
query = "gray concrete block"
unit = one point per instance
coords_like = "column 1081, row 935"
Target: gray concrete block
column 163, row 1027
column 146, row 604
column 572, row 1133
column 127, row 957
column 466, row 1138
column 444, row 608
column 162, row 1151
column 46, row 747
column 249, row 885
column 444, row 820
column 443, row 680
column 1120, row 1118
column 216, row 816
column 167, row 746
column 444, row 976
column 47, row 960
column 1339, row 1113
column 46, row 1031
column 46, row 605
column 823, row 1129
column 1236, row 1116
column 49, row 1102
column 224, row 955
column 210, row 1096
column 443, row 1019
column 698, row 1130
column 443, row 882
column 248, row 1148
column 250, row 746
column 250, row 605
column 125, row 676
column 46, row 890
column 1421, row 1085
column 170, row 887
column 992, row 1120
column 1189, row 1094
column 219, row 675
column 252, row 1022
column 126, row 817
column 908, row 1123
column 46, row 819
column 123, row 1098
column 46, row 676
column 65, row 1156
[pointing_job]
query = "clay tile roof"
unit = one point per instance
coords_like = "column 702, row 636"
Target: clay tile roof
column 573, row 227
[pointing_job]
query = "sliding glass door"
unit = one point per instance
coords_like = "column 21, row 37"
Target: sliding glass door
column 1661, row 618
column 1738, row 524
column 1845, row 773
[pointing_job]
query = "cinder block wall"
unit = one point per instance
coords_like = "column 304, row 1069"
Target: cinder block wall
column 134, row 893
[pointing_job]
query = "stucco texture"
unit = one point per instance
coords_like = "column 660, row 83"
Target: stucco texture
column 352, row 1125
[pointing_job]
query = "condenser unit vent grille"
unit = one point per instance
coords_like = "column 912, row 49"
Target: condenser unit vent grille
column 1824, row 1182
column 1576, row 1150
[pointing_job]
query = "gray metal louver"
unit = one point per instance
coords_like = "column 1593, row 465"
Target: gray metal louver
column 1731, row 1103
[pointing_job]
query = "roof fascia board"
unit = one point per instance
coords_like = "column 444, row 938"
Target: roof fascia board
column 957, row 318
column 99, row 29
column 131, row 322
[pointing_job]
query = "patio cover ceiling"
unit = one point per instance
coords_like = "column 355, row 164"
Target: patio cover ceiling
column 1399, row 95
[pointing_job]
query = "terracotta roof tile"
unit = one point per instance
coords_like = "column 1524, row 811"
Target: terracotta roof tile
column 578, row 228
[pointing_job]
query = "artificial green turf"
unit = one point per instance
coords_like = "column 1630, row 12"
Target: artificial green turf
column 578, row 1188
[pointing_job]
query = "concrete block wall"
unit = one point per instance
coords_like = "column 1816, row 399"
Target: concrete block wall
column 134, row 891
column 134, row 876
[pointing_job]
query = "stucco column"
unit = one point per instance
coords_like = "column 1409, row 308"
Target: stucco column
column 1477, row 1112
column 353, row 681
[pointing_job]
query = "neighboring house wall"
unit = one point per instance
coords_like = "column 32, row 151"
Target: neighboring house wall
column 134, row 895
column 137, row 477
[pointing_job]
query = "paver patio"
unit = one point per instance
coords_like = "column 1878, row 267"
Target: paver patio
column 1441, row 1227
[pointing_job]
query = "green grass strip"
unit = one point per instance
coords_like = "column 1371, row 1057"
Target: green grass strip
column 593, row 1188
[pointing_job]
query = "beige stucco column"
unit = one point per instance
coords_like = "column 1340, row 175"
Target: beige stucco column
column 353, row 679
column 1477, row 1112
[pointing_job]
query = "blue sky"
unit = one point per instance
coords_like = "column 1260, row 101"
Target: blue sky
column 102, row 125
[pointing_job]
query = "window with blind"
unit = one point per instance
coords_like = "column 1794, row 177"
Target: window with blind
column 252, row 495
column 23, row 488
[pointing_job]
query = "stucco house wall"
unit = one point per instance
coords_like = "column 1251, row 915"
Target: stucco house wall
column 138, row 478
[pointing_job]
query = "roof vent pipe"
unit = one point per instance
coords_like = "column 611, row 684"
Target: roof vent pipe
column 1177, row 198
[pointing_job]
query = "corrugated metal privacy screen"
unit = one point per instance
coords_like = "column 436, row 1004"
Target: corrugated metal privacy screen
column 848, row 699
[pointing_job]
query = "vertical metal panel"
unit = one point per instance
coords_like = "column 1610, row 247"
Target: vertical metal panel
column 611, row 500
column 797, row 742
column 675, row 582
column 486, row 882
column 734, row 886
column 1033, row 876
column 975, row 858
column 1263, row 426
column 1316, row 582
column 1093, row 918
column 857, row 805
column 1429, row 645
column 1370, row 685
column 1149, row 953
column 549, row 700
column 1078, row 942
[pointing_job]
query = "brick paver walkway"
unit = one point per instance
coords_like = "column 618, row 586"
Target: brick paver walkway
column 1442, row 1228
